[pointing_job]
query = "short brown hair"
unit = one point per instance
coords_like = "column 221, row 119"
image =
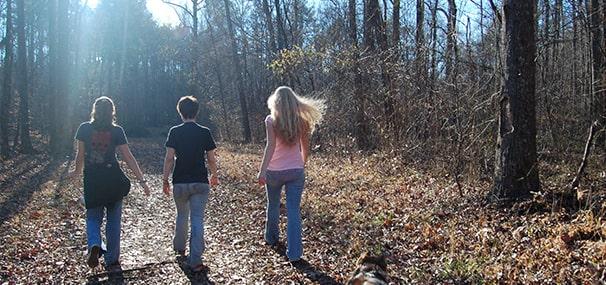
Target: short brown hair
column 188, row 107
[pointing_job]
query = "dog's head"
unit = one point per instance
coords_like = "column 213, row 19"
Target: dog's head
column 372, row 270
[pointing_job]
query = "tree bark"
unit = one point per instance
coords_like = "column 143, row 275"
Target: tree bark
column 420, row 48
column 434, row 41
column 598, row 101
column 396, row 24
column 22, row 80
column 353, row 26
column 246, row 133
column 451, row 40
column 59, row 137
column 516, row 172
column 270, row 26
column 7, row 88
column 282, row 44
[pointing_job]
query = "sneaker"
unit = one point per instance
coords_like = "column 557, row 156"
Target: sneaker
column 199, row 268
column 114, row 267
column 93, row 256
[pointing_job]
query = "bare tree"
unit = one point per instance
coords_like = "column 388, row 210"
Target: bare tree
column 516, row 172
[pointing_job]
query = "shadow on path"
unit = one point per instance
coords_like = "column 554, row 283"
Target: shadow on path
column 21, row 186
column 309, row 271
column 313, row 274
column 196, row 278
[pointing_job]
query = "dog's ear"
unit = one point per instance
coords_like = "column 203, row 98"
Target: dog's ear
column 382, row 262
column 356, row 281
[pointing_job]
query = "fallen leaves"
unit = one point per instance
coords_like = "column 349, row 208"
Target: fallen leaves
column 352, row 203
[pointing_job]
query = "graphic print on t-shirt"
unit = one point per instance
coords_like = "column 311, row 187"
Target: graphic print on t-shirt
column 100, row 142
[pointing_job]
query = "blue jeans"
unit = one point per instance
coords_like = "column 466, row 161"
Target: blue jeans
column 190, row 199
column 293, row 180
column 94, row 219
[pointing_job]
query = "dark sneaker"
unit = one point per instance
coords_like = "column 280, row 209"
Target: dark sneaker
column 199, row 268
column 93, row 256
column 114, row 267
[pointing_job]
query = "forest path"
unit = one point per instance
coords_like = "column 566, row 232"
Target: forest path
column 42, row 237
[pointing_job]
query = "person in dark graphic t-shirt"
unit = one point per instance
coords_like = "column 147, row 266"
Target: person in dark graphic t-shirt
column 98, row 140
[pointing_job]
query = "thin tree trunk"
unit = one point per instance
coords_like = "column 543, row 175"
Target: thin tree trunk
column 516, row 172
column 7, row 88
column 22, row 83
column 246, row 133
column 597, row 103
column 220, row 82
column 420, row 48
column 270, row 26
column 434, row 42
column 451, row 40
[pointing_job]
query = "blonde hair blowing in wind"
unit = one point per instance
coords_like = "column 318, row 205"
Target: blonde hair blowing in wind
column 294, row 114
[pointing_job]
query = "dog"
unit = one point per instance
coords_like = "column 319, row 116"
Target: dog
column 372, row 270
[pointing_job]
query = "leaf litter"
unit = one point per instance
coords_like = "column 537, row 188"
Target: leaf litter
column 352, row 203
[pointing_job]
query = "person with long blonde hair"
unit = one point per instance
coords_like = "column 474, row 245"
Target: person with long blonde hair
column 289, row 126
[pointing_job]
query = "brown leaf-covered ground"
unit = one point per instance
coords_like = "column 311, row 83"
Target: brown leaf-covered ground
column 352, row 203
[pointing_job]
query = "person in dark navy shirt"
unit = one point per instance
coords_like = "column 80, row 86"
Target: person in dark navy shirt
column 189, row 147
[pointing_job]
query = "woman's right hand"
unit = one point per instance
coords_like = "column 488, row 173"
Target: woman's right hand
column 261, row 179
column 166, row 187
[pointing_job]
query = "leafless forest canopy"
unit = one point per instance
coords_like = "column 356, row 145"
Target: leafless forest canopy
column 440, row 83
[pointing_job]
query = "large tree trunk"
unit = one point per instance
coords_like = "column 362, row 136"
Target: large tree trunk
column 7, row 88
column 420, row 48
column 396, row 24
column 598, row 95
column 58, row 52
column 282, row 44
column 361, row 127
column 22, row 82
column 351, row 19
column 238, row 69
column 370, row 11
column 516, row 172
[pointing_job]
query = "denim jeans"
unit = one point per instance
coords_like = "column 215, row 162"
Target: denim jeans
column 293, row 180
column 94, row 219
column 190, row 199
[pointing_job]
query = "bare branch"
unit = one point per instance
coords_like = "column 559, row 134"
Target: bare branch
column 182, row 7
